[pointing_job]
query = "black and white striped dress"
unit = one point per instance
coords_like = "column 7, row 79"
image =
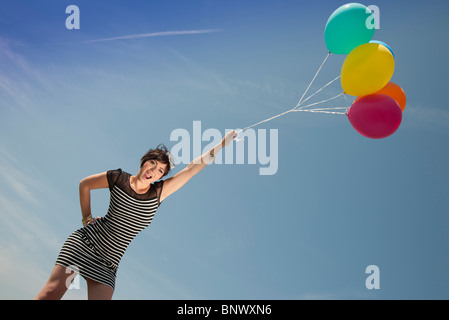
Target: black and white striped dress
column 95, row 250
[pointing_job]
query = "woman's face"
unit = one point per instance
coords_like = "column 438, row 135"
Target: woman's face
column 152, row 170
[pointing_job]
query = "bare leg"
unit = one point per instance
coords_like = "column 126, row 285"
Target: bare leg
column 57, row 284
column 98, row 291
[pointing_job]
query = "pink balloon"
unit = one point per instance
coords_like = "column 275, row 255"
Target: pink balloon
column 375, row 116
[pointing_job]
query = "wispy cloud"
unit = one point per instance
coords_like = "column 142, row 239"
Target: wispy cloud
column 156, row 34
column 428, row 117
column 16, row 179
column 26, row 235
column 19, row 77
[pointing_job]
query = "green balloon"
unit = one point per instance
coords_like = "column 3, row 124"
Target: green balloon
column 348, row 27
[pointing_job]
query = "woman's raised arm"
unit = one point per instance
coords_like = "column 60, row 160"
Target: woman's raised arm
column 173, row 184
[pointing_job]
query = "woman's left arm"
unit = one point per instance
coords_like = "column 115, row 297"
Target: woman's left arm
column 173, row 184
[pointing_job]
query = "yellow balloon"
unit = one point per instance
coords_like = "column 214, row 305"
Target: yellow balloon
column 367, row 69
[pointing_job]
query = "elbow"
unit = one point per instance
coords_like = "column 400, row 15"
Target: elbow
column 83, row 185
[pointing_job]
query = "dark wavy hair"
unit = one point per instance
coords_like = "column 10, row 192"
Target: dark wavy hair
column 160, row 154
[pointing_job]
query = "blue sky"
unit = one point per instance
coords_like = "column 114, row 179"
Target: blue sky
column 339, row 202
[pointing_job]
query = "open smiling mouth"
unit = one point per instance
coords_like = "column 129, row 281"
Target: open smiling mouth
column 148, row 176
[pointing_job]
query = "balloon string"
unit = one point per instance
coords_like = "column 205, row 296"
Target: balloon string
column 346, row 102
column 300, row 100
column 320, row 111
column 311, row 82
column 331, row 108
column 266, row 120
column 319, row 90
column 319, row 102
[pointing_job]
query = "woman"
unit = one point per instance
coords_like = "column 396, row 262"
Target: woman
column 95, row 250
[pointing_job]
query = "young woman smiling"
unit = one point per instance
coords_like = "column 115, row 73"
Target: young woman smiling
column 95, row 250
